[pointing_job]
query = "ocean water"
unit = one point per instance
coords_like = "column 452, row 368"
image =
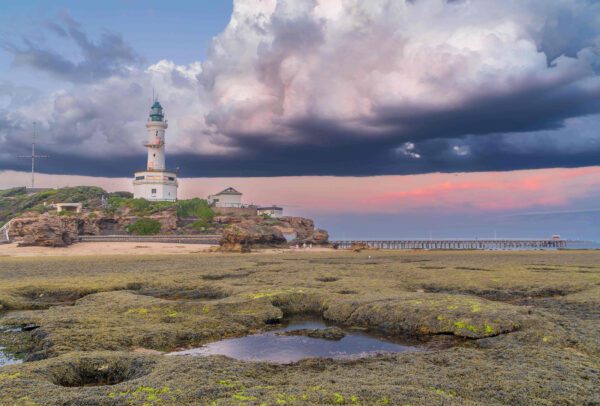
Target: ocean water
column 583, row 245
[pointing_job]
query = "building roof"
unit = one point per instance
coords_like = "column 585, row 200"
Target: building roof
column 228, row 191
column 270, row 208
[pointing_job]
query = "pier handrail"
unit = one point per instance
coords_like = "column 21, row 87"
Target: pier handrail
column 455, row 244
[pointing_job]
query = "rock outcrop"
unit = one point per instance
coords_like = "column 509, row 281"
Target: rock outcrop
column 242, row 236
column 304, row 230
column 44, row 230
column 239, row 233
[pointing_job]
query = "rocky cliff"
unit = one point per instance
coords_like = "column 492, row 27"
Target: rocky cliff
column 238, row 234
column 44, row 230
column 52, row 230
column 35, row 221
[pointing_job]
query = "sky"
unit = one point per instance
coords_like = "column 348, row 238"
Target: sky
column 380, row 119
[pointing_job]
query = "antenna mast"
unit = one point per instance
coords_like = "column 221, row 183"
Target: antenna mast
column 33, row 156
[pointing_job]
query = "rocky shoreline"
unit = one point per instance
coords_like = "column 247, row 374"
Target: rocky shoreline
column 237, row 233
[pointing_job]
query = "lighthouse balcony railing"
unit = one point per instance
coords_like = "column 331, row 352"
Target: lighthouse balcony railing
column 155, row 182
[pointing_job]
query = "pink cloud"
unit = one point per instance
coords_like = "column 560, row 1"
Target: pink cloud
column 450, row 193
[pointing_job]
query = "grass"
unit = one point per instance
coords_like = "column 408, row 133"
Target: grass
column 525, row 327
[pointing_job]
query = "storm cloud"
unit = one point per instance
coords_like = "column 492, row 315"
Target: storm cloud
column 333, row 87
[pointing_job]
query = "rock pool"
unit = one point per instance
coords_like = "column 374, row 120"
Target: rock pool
column 273, row 347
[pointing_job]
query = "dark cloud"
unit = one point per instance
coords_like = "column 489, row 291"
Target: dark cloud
column 108, row 57
column 367, row 89
column 485, row 154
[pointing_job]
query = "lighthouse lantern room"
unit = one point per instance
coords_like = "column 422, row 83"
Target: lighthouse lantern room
column 156, row 183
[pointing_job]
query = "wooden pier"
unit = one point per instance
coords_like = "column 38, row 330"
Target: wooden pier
column 504, row 244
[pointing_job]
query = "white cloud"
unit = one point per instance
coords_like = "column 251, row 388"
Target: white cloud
column 408, row 149
column 327, row 72
column 461, row 150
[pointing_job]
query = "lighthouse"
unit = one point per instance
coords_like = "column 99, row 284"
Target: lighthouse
column 156, row 183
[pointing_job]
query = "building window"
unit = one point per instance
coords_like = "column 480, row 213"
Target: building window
column 153, row 191
column 171, row 178
column 140, row 177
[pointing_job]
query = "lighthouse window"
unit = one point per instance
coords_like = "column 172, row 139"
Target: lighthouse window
column 171, row 178
column 154, row 155
column 139, row 177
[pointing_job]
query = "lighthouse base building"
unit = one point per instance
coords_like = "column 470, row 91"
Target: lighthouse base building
column 156, row 183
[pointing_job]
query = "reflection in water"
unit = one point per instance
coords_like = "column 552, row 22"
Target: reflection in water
column 5, row 359
column 271, row 347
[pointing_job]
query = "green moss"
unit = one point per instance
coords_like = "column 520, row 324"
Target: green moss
column 242, row 397
column 227, row 383
column 7, row 376
column 142, row 311
column 111, row 319
column 148, row 395
column 462, row 325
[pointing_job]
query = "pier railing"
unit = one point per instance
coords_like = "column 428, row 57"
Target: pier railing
column 504, row 244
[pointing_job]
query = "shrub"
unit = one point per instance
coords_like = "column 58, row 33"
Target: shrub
column 140, row 207
column 200, row 225
column 125, row 195
column 144, row 227
column 16, row 191
column 198, row 208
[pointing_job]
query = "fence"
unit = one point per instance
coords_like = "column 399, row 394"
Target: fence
column 176, row 239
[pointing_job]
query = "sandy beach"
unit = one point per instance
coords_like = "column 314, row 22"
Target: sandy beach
column 105, row 248
column 127, row 248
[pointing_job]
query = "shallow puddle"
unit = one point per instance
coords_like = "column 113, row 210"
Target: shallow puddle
column 272, row 347
column 6, row 359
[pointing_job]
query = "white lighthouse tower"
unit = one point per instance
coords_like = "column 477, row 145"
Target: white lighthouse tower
column 156, row 183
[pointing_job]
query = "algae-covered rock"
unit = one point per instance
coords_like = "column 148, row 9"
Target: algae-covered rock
column 329, row 333
column 123, row 320
column 463, row 316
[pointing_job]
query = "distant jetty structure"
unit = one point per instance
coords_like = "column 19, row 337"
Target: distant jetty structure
column 454, row 244
column 156, row 183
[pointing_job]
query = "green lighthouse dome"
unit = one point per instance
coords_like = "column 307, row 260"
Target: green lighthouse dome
column 156, row 112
